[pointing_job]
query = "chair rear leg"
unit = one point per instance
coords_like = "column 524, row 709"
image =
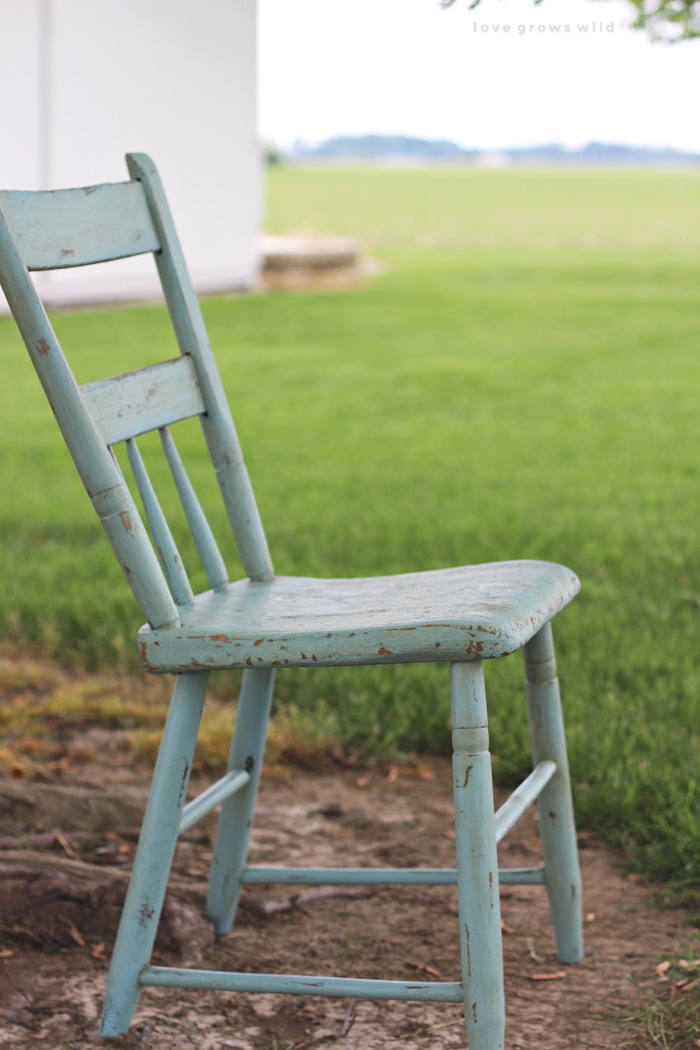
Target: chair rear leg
column 557, row 828
column 477, row 862
column 154, row 855
column 233, row 834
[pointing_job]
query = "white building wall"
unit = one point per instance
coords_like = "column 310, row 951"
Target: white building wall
column 91, row 80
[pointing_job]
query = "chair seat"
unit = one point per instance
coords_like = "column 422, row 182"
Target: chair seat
column 472, row 613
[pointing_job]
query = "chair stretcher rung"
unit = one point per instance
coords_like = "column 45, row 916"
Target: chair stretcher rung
column 378, row 876
column 204, row 803
column 292, row 984
column 513, row 808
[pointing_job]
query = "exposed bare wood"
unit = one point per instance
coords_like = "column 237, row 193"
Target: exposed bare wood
column 125, row 406
column 58, row 229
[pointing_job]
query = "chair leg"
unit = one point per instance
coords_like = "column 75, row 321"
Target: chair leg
column 557, row 828
column 233, row 835
column 477, row 862
column 154, row 856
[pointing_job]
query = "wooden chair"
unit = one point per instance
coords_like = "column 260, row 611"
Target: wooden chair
column 458, row 616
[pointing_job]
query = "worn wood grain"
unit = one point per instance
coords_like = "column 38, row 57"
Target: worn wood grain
column 469, row 613
column 169, row 556
column 57, row 229
column 202, row 535
column 125, row 406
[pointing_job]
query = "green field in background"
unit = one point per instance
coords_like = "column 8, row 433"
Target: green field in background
column 521, row 380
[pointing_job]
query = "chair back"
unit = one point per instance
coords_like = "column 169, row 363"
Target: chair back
column 45, row 230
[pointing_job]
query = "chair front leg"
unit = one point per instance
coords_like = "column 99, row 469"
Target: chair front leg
column 235, row 822
column 556, row 812
column 154, row 855
column 477, row 862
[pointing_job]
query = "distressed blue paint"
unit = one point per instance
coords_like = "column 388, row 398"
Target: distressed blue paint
column 259, row 876
column 154, row 855
column 56, row 229
column 212, row 797
column 96, row 465
column 235, row 822
column 513, row 808
column 477, row 862
column 192, row 338
column 292, row 984
column 134, row 403
column 556, row 812
column 462, row 616
column 471, row 613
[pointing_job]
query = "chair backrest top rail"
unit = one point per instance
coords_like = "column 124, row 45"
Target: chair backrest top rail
column 56, row 229
column 125, row 406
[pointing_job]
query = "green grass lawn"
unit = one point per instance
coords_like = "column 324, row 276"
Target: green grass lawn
column 520, row 382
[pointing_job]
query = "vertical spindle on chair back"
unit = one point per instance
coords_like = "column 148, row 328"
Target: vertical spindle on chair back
column 76, row 227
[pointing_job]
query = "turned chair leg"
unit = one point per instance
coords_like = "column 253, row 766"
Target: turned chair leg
column 233, row 835
column 477, row 863
column 154, row 856
column 556, row 813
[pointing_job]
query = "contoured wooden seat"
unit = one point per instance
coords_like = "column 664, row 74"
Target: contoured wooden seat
column 478, row 611
column 462, row 616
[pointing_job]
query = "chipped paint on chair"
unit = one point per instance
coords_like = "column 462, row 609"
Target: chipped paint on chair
column 461, row 617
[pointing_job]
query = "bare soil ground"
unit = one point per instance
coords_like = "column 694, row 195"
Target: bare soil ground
column 60, row 896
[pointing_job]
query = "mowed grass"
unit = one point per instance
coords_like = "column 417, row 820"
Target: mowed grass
column 520, row 382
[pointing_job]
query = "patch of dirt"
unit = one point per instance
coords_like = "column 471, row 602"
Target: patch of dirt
column 64, row 856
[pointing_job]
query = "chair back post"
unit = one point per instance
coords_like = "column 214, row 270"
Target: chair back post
column 217, row 423
column 95, row 462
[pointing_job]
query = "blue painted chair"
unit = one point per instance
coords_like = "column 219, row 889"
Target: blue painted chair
column 458, row 616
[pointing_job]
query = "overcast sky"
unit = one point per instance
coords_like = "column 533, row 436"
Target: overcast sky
column 487, row 77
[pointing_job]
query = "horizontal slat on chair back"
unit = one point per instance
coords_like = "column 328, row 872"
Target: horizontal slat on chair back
column 61, row 228
column 128, row 405
column 75, row 227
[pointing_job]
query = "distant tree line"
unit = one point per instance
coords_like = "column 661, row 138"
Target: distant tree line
column 382, row 147
column 404, row 149
column 670, row 20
